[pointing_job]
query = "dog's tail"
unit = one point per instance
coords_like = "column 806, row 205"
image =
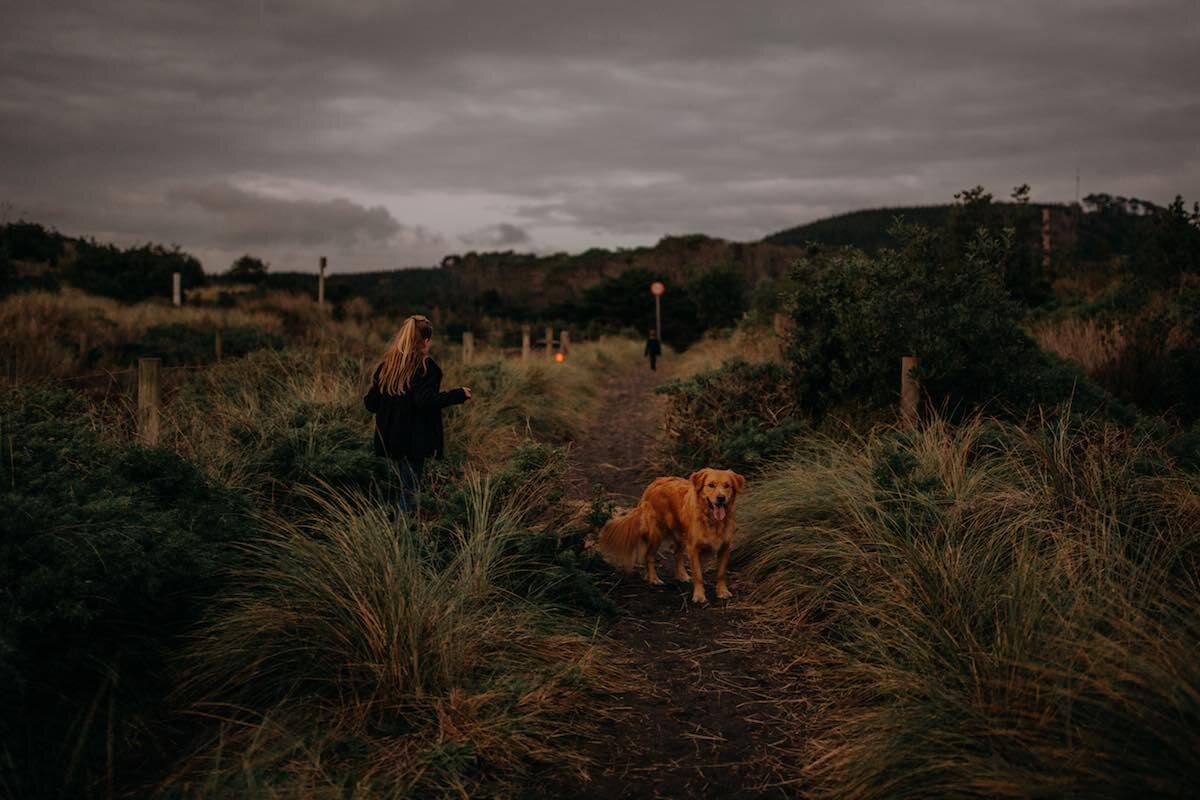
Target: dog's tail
column 623, row 540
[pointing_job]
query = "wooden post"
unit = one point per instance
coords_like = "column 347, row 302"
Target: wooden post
column 910, row 391
column 564, row 338
column 217, row 346
column 176, row 289
column 1045, row 238
column 524, row 342
column 321, row 284
column 550, row 343
column 148, row 398
column 658, row 317
column 468, row 353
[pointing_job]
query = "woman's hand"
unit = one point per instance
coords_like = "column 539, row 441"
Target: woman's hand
column 467, row 391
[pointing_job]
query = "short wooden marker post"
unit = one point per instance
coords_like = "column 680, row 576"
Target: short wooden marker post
column 910, row 391
column 550, row 343
column 148, row 398
column 217, row 346
column 176, row 289
column 564, row 339
column 321, row 283
column 468, row 345
column 524, row 342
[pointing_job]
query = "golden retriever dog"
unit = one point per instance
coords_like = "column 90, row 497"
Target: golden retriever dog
column 696, row 512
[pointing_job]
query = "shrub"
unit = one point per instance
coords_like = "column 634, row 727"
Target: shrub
column 738, row 417
column 855, row 317
column 248, row 269
column 29, row 241
column 719, row 296
column 179, row 344
column 136, row 273
column 1150, row 357
column 107, row 554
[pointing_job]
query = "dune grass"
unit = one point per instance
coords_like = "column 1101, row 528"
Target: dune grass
column 746, row 342
column 363, row 657
column 987, row 610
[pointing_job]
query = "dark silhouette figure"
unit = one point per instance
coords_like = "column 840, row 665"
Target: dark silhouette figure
column 653, row 350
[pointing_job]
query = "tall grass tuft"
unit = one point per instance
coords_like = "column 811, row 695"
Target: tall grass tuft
column 363, row 656
column 988, row 611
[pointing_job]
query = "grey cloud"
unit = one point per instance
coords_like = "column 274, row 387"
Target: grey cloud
column 246, row 218
column 497, row 236
column 620, row 119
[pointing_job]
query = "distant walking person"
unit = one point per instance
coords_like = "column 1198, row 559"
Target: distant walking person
column 653, row 349
column 407, row 401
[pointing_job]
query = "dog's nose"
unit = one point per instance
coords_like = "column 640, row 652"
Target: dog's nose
column 720, row 499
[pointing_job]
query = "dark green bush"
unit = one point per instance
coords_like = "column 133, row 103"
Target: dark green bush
column 856, row 317
column 29, row 241
column 107, row 554
column 178, row 344
column 737, row 417
column 136, row 273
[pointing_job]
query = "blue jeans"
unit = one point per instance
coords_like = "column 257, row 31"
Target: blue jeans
column 410, row 482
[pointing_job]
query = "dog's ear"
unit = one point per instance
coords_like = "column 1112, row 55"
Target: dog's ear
column 698, row 479
column 738, row 482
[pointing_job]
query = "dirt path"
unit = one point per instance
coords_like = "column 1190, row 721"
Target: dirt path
column 719, row 718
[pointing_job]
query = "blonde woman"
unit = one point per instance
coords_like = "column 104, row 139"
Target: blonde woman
column 407, row 401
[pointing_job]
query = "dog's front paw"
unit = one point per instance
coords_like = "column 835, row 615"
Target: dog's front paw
column 723, row 593
column 698, row 596
column 654, row 580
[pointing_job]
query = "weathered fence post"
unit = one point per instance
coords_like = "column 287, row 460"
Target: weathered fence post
column 176, row 289
column 468, row 345
column 910, row 391
column 564, row 341
column 524, row 342
column 550, row 343
column 148, row 399
column 217, row 346
column 321, row 283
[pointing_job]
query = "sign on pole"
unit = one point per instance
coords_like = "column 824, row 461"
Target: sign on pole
column 657, row 288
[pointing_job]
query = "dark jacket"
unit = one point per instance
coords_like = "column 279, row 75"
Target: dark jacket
column 653, row 348
column 409, row 425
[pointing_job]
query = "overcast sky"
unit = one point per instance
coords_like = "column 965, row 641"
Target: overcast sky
column 389, row 133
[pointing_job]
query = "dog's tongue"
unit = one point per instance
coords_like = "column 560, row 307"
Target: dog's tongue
column 719, row 512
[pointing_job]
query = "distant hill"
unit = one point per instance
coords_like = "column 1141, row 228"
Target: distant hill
column 31, row 256
column 532, row 281
column 1104, row 227
column 866, row 229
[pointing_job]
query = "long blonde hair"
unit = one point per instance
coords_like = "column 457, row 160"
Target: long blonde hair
column 405, row 355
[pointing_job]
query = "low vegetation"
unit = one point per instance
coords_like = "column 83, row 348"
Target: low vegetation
column 995, row 602
column 263, row 503
column 985, row 609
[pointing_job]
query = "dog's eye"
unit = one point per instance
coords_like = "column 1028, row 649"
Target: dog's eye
column 712, row 486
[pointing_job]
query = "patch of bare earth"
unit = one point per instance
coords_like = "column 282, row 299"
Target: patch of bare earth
column 717, row 713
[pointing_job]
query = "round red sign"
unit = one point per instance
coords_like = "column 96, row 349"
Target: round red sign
column 657, row 288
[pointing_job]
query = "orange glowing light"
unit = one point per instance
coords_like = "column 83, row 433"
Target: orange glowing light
column 559, row 357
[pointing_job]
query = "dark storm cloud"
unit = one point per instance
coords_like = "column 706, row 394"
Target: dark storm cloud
column 580, row 122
